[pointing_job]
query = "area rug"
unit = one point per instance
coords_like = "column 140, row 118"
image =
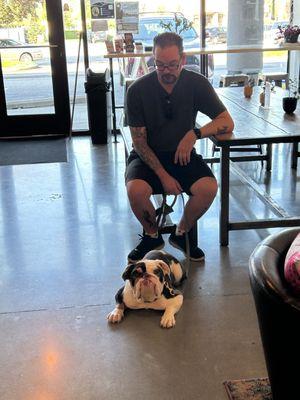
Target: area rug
column 14, row 152
column 249, row 389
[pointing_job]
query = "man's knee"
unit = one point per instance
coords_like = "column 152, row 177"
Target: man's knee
column 206, row 186
column 138, row 190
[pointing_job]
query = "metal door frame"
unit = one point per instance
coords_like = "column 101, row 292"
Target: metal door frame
column 58, row 123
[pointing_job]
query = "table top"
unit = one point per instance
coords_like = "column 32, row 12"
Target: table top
column 255, row 124
column 216, row 50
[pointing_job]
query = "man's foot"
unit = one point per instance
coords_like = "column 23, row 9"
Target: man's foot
column 146, row 244
column 178, row 241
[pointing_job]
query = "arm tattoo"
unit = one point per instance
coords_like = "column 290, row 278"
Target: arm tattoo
column 222, row 130
column 139, row 138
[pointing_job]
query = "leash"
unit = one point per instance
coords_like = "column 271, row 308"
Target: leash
column 161, row 214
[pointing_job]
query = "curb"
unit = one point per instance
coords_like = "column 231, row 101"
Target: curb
column 40, row 103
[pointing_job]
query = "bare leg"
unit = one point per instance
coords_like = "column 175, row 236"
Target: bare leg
column 139, row 193
column 203, row 193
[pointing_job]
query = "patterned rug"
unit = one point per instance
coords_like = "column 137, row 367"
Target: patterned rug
column 249, row 389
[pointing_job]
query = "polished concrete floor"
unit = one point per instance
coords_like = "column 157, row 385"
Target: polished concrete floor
column 65, row 232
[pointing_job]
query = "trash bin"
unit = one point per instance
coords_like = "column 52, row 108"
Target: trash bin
column 97, row 88
column 278, row 312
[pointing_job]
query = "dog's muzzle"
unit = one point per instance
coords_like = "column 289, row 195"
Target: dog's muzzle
column 148, row 290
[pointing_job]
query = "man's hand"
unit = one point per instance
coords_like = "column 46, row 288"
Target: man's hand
column 170, row 184
column 186, row 144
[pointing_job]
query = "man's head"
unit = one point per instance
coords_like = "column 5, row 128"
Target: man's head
column 169, row 56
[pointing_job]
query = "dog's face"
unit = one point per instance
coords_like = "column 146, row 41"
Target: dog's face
column 147, row 279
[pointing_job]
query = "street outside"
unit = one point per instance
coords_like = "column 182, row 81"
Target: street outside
column 31, row 88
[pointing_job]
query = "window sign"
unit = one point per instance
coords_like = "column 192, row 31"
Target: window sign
column 127, row 16
column 102, row 9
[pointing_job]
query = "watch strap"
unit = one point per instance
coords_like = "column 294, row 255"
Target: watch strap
column 198, row 133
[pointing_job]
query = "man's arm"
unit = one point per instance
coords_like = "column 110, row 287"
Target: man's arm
column 139, row 139
column 223, row 123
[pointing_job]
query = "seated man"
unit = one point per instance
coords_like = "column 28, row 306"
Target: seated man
column 161, row 109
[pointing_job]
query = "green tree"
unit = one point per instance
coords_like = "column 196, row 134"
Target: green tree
column 13, row 12
column 23, row 13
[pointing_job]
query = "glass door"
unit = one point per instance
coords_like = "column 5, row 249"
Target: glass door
column 34, row 97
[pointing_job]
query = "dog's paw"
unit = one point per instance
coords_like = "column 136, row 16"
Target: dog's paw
column 115, row 316
column 167, row 321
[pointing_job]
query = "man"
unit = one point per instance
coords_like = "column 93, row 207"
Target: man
column 161, row 111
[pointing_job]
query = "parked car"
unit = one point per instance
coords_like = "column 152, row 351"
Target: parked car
column 151, row 24
column 216, row 34
column 17, row 51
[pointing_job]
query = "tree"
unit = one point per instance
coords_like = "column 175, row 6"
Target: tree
column 13, row 12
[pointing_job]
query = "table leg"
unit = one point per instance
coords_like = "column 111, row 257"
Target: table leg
column 224, row 198
column 113, row 102
column 269, row 156
column 295, row 155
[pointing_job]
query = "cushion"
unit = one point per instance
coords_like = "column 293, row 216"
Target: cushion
column 292, row 265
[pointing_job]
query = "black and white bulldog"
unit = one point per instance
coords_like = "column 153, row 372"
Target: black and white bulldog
column 150, row 283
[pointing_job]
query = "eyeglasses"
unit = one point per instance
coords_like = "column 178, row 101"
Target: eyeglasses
column 173, row 66
column 168, row 109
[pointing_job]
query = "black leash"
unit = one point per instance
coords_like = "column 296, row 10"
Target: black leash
column 161, row 214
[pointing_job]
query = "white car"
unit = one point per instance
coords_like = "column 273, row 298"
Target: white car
column 12, row 50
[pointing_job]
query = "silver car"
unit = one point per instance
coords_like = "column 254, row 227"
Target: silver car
column 11, row 50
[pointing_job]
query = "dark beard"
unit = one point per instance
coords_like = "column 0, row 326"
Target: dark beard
column 168, row 79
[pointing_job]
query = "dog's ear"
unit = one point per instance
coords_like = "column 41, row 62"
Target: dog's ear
column 128, row 270
column 165, row 268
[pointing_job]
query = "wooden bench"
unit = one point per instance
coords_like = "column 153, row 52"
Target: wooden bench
column 168, row 226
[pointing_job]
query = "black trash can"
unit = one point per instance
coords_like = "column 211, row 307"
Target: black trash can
column 97, row 88
column 278, row 312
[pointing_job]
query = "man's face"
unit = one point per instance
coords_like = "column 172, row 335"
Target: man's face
column 168, row 64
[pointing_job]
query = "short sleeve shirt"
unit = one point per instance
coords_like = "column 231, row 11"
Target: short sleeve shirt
column 168, row 117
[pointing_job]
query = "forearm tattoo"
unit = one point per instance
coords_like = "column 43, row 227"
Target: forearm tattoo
column 139, row 138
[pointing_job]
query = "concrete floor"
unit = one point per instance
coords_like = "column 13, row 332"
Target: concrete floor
column 66, row 230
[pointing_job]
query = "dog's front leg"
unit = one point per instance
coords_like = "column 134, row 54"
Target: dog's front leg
column 173, row 306
column 117, row 313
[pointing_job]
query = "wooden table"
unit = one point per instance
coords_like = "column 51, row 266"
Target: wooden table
column 201, row 52
column 253, row 125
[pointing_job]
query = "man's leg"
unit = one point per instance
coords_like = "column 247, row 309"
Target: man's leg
column 203, row 191
column 139, row 193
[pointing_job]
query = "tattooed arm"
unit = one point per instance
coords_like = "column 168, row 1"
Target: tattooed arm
column 139, row 139
column 223, row 123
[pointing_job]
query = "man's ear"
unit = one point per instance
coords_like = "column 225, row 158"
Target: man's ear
column 183, row 59
column 128, row 270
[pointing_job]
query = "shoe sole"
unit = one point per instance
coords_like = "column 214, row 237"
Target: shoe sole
column 156, row 248
column 179, row 248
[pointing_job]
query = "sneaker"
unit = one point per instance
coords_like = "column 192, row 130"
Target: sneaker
column 146, row 244
column 178, row 242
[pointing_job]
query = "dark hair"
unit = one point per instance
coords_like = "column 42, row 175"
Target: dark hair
column 168, row 39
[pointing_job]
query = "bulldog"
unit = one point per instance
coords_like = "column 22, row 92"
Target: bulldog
column 150, row 283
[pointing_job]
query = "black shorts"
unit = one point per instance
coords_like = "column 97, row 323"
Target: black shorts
column 186, row 175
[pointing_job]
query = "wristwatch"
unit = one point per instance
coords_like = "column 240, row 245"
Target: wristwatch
column 198, row 133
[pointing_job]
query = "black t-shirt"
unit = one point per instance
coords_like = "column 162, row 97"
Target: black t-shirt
column 168, row 118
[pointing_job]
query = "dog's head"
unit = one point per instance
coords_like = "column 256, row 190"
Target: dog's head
column 147, row 278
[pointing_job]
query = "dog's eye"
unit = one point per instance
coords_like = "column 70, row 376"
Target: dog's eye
column 159, row 273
